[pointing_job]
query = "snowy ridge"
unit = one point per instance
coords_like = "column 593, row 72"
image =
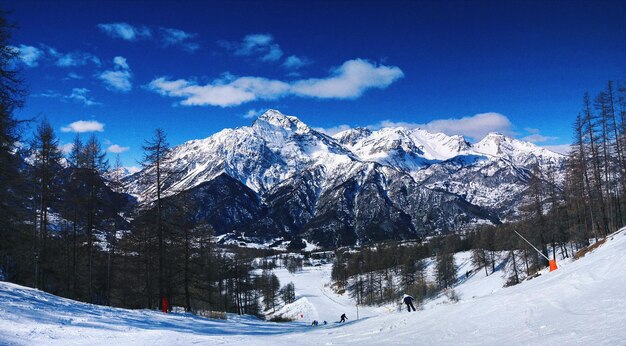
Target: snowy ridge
column 279, row 154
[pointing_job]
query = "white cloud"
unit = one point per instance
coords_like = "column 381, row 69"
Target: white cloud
column 76, row 59
column 28, row 55
column 121, row 62
column 348, row 81
column 331, row 131
column 294, row 62
column 31, row 56
column 125, row 31
column 80, row 95
column 81, row 126
column 535, row 137
column 475, row 127
column 118, row 79
column 117, row 149
column 180, row 38
column 66, row 148
column 559, row 148
column 252, row 113
column 538, row 138
column 236, row 92
column 48, row 93
column 73, row 75
column 132, row 169
column 261, row 46
column 166, row 37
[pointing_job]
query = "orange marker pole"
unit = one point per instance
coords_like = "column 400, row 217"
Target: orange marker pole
column 553, row 266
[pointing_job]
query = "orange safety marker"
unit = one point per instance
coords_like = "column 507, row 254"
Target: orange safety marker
column 553, row 266
column 552, row 262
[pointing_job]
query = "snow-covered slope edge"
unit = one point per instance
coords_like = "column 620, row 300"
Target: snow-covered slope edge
column 582, row 303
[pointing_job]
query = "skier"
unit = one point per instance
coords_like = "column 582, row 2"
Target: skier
column 343, row 318
column 408, row 300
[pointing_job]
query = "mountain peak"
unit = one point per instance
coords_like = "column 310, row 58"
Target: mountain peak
column 275, row 118
column 352, row 136
column 272, row 114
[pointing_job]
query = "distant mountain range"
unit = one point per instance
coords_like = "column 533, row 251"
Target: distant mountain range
column 281, row 178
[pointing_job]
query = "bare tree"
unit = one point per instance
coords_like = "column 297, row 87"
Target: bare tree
column 155, row 155
column 45, row 149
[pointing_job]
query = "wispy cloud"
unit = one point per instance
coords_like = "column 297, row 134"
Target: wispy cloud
column 119, row 78
column 559, row 148
column 475, row 127
column 73, row 75
column 66, row 148
column 536, row 137
column 125, row 31
column 32, row 56
column 252, row 113
column 76, row 59
column 78, row 95
column 28, row 55
column 179, row 38
column 81, row 126
column 132, row 169
column 348, row 81
column 261, row 46
column 293, row 62
column 116, row 149
column 165, row 37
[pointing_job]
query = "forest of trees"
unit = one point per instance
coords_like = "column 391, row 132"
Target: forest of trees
column 66, row 230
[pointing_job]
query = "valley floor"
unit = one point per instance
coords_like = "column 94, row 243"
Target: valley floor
column 581, row 303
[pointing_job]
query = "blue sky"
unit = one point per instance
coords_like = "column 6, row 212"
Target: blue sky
column 123, row 68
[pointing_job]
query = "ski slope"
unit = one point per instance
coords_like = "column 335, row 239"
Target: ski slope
column 315, row 300
column 582, row 303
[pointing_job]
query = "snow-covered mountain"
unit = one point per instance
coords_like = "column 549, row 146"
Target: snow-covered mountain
column 359, row 185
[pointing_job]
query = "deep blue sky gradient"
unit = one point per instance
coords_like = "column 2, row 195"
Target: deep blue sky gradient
column 529, row 60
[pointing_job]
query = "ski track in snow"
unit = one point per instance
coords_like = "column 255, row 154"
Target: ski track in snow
column 582, row 303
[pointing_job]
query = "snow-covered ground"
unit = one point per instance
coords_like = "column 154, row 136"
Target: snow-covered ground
column 315, row 300
column 582, row 303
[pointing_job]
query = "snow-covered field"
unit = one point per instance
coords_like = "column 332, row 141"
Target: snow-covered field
column 582, row 303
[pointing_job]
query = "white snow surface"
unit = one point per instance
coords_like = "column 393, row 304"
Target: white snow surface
column 582, row 303
column 315, row 300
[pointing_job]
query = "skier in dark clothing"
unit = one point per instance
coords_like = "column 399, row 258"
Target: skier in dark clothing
column 343, row 318
column 408, row 300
